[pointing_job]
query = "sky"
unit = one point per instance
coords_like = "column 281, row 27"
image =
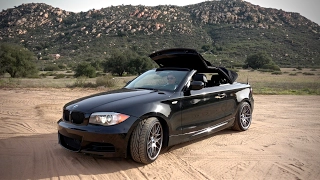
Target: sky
column 307, row 8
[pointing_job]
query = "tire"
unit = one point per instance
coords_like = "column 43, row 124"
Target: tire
column 146, row 141
column 243, row 117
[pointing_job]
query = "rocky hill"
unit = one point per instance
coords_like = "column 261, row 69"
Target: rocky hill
column 225, row 30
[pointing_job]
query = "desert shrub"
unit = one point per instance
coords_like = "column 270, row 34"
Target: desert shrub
column 33, row 76
column 51, row 67
column 43, row 75
column 69, row 71
column 62, row 66
column 235, row 70
column 10, row 82
column 308, row 74
column 266, row 70
column 100, row 74
column 313, row 69
column 46, row 58
column 276, row 73
column 81, row 82
column 299, row 68
column 292, row 74
column 271, row 66
column 107, row 81
column 59, row 76
column 50, row 73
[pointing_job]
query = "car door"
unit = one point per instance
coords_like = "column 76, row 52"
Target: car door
column 203, row 109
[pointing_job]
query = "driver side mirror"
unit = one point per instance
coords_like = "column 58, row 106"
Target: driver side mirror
column 196, row 85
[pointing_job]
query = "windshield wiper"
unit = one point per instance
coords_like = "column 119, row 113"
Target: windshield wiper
column 148, row 88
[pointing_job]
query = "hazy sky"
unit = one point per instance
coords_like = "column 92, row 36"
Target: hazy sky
column 307, row 8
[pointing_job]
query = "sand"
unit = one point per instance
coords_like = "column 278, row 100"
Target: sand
column 283, row 142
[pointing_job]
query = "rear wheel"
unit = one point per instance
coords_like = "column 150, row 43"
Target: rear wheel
column 146, row 141
column 243, row 117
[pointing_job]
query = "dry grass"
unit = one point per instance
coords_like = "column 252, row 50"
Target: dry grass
column 291, row 81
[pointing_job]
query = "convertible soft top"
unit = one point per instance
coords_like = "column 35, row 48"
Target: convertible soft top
column 191, row 59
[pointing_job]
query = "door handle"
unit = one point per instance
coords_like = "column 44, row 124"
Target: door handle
column 174, row 102
column 221, row 95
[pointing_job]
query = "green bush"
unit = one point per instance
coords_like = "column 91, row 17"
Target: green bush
column 258, row 60
column 85, row 69
column 46, row 58
column 271, row 66
column 51, row 67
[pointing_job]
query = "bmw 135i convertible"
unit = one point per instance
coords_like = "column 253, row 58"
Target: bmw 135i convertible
column 184, row 99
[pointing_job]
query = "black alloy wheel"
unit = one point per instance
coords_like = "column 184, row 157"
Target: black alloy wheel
column 243, row 117
column 146, row 141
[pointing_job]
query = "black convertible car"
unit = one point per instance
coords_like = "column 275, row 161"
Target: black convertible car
column 185, row 98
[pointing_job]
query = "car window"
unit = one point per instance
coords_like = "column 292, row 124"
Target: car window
column 158, row 80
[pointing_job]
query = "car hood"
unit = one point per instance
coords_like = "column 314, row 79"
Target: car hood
column 114, row 100
column 191, row 59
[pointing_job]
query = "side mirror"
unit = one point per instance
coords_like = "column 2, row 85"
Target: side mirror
column 196, row 85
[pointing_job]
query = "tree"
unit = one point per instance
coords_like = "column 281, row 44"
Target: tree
column 17, row 61
column 119, row 62
column 97, row 64
column 139, row 65
column 85, row 69
column 258, row 60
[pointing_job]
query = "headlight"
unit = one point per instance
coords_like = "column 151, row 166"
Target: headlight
column 107, row 118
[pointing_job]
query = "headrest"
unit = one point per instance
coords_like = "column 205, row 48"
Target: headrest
column 215, row 77
column 200, row 77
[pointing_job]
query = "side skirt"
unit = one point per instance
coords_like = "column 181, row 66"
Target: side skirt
column 176, row 139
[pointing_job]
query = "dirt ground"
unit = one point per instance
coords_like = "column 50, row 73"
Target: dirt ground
column 283, row 142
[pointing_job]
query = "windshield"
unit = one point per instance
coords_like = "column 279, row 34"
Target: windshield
column 158, row 80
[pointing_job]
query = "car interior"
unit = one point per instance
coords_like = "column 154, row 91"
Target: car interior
column 215, row 80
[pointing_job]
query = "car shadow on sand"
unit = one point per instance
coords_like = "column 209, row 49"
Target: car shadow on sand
column 40, row 156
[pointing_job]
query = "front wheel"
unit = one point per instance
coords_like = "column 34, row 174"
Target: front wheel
column 146, row 141
column 243, row 117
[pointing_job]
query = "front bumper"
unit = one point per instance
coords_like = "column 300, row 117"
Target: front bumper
column 92, row 139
